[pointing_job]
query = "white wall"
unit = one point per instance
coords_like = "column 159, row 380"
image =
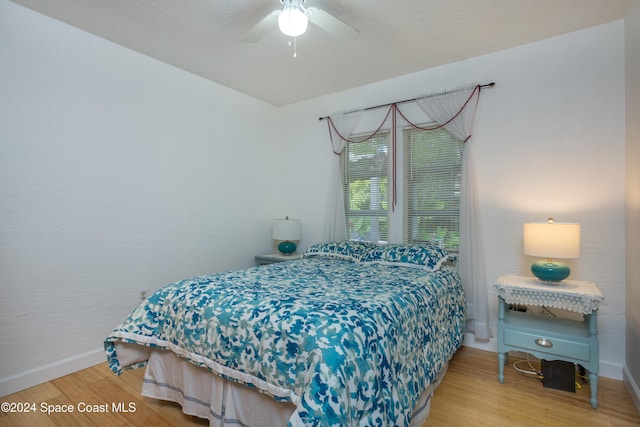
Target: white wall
column 551, row 138
column 632, row 46
column 117, row 172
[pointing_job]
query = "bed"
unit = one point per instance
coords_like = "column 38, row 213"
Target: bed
column 352, row 334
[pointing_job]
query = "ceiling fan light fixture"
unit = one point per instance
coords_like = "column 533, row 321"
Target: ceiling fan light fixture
column 292, row 21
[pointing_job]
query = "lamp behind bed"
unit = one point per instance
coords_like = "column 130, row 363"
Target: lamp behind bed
column 286, row 231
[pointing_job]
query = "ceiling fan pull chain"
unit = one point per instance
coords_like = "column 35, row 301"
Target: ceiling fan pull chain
column 295, row 46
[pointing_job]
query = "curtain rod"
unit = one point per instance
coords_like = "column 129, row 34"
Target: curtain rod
column 492, row 84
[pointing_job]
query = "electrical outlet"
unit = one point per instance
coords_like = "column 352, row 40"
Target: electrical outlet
column 143, row 294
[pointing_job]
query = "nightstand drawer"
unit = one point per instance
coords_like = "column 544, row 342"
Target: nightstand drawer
column 551, row 344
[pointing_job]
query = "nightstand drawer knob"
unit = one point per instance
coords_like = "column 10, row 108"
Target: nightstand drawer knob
column 543, row 342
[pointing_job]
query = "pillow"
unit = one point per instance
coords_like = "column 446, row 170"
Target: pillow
column 428, row 257
column 347, row 249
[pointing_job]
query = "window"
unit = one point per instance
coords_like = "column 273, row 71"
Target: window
column 432, row 175
column 365, row 168
column 429, row 175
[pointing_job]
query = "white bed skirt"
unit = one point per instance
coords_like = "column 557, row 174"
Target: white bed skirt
column 224, row 403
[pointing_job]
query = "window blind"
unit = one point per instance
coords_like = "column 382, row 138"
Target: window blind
column 365, row 168
column 432, row 179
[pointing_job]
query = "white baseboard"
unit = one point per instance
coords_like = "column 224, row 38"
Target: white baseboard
column 632, row 387
column 57, row 369
column 608, row 370
column 487, row 345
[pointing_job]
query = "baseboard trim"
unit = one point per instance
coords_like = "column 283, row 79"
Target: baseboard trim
column 29, row 378
column 632, row 387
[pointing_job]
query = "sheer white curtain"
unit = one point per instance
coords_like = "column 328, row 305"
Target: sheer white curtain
column 455, row 110
column 341, row 127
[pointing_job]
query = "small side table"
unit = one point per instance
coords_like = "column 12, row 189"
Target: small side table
column 548, row 337
column 272, row 258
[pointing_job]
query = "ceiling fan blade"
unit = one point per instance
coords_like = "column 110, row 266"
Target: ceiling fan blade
column 331, row 24
column 262, row 27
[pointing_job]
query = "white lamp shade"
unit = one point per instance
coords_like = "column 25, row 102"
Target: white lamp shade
column 292, row 21
column 552, row 240
column 286, row 229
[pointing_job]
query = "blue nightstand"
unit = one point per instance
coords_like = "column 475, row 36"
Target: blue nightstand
column 548, row 337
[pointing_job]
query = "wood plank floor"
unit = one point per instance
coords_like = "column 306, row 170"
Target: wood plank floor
column 470, row 395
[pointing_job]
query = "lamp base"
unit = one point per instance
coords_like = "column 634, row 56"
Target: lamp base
column 287, row 247
column 550, row 270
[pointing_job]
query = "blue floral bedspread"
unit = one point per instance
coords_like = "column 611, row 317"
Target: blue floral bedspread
column 350, row 344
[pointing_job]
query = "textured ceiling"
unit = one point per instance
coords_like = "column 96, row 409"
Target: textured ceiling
column 395, row 37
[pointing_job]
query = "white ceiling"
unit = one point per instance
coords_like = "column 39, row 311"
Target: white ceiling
column 396, row 37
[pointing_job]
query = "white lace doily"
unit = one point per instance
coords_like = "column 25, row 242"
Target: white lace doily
column 574, row 295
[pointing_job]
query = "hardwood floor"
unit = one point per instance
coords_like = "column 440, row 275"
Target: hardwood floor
column 470, row 395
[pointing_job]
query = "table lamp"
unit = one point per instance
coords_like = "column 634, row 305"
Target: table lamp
column 551, row 240
column 286, row 231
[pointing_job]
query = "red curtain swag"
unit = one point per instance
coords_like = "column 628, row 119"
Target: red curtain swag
column 394, row 111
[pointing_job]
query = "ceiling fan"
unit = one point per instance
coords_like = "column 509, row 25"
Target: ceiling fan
column 293, row 20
